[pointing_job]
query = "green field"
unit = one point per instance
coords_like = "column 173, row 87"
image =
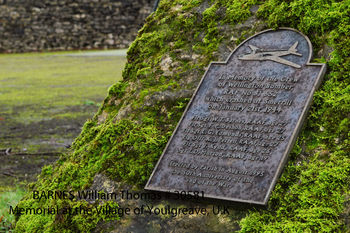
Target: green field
column 44, row 100
column 35, row 87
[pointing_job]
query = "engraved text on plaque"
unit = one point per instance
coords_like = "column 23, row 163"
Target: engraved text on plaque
column 235, row 135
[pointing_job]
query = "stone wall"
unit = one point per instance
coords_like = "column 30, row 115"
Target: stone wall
column 31, row 25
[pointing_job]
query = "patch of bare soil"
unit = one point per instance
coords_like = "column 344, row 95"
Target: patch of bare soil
column 26, row 148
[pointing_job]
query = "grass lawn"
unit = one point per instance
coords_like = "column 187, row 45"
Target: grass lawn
column 45, row 98
column 8, row 198
column 35, row 87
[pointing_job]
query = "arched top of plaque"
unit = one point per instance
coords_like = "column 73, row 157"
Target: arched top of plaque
column 285, row 46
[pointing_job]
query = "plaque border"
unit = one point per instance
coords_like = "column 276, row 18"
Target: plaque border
column 291, row 142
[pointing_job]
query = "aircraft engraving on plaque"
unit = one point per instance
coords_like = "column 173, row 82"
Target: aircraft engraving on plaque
column 236, row 133
column 258, row 54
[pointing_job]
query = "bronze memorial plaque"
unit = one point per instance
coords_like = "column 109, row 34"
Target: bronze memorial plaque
column 235, row 135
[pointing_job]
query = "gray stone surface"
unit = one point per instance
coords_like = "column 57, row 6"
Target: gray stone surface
column 235, row 135
column 66, row 24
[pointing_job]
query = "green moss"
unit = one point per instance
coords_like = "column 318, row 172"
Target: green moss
column 117, row 89
column 137, row 148
column 309, row 196
column 73, row 216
